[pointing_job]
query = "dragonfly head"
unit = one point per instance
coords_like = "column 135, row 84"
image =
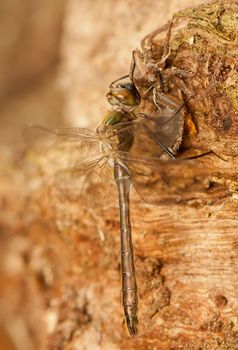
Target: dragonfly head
column 123, row 95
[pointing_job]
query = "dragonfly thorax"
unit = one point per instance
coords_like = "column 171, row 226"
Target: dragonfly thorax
column 113, row 136
column 108, row 153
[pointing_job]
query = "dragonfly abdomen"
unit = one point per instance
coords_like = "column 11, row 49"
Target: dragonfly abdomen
column 129, row 292
column 129, row 287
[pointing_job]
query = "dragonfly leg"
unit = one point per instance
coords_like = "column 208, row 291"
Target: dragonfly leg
column 203, row 155
column 147, row 41
column 117, row 80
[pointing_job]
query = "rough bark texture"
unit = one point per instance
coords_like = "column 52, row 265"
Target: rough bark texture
column 60, row 272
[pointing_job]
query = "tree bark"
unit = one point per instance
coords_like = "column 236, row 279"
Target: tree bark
column 60, row 280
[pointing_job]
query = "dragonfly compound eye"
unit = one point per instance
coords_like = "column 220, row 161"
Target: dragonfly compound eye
column 123, row 95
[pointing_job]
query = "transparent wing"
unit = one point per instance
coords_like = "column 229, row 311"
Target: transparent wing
column 150, row 137
column 69, row 147
column 84, row 171
column 162, row 181
column 65, row 147
column 94, row 185
column 73, row 157
column 155, row 178
column 167, row 121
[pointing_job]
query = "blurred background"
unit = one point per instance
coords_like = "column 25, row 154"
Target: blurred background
column 57, row 59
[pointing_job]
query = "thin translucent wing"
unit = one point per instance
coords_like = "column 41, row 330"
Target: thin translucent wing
column 71, row 156
column 143, row 140
column 94, row 185
column 35, row 134
column 162, row 181
column 64, row 147
column 85, row 170
column 167, row 122
column 151, row 137
column 69, row 146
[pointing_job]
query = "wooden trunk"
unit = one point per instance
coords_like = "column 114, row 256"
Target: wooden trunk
column 60, row 274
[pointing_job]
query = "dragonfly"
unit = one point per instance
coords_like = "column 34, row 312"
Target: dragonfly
column 125, row 150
